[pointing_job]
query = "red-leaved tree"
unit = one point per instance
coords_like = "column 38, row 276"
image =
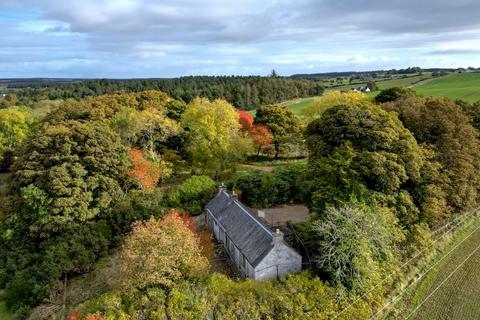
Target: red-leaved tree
column 144, row 173
column 245, row 120
column 261, row 137
column 77, row 315
column 186, row 218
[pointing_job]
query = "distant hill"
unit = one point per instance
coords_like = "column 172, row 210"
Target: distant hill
column 373, row 73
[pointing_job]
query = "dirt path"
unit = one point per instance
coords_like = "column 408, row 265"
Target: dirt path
column 260, row 168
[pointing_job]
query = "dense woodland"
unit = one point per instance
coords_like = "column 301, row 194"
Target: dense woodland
column 243, row 92
column 105, row 187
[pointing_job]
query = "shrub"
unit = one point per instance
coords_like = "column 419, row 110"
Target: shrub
column 266, row 189
column 193, row 194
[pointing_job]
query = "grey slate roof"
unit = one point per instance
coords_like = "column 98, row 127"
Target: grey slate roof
column 248, row 234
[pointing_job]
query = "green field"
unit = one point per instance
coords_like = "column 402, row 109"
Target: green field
column 297, row 105
column 465, row 86
column 452, row 289
column 384, row 84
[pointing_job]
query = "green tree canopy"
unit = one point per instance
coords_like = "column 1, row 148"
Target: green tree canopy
column 445, row 130
column 392, row 94
column 75, row 167
column 281, row 121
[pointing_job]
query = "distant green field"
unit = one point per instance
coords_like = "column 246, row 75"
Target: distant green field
column 384, row 84
column 297, row 105
column 465, row 86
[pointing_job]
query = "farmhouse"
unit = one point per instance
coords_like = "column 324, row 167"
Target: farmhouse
column 361, row 89
column 255, row 250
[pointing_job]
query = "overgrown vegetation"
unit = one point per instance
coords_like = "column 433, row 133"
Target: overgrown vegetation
column 99, row 177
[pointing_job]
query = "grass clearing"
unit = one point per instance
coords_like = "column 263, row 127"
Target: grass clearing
column 465, row 86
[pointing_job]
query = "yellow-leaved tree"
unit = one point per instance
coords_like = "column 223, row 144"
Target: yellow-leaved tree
column 160, row 252
column 15, row 125
column 331, row 99
column 215, row 140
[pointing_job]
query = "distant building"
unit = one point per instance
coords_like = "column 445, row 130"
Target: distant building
column 255, row 250
column 361, row 89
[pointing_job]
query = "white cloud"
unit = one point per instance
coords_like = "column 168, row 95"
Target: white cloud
column 177, row 37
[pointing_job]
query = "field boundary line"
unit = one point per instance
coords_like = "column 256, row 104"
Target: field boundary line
column 418, row 254
column 443, row 282
column 396, row 299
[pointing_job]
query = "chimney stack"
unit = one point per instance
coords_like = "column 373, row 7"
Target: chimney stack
column 277, row 237
column 222, row 187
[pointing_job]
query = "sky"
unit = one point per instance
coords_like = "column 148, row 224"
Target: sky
column 170, row 38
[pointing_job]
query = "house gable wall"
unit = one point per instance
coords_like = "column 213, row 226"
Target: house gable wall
column 280, row 261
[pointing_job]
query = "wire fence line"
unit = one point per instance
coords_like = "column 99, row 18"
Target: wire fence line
column 442, row 283
column 398, row 297
column 461, row 218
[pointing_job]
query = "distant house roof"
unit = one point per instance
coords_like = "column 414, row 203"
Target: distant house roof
column 250, row 236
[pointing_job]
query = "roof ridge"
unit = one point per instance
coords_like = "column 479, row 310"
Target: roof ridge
column 252, row 217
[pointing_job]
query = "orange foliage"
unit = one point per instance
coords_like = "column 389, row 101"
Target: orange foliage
column 261, row 136
column 94, row 317
column 186, row 219
column 77, row 315
column 245, row 120
column 143, row 173
column 206, row 242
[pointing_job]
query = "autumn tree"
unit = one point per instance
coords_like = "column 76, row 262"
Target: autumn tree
column 143, row 173
column 160, row 252
column 331, row 99
column 215, row 142
column 281, row 121
column 442, row 127
column 15, row 126
column 245, row 120
column 261, row 137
